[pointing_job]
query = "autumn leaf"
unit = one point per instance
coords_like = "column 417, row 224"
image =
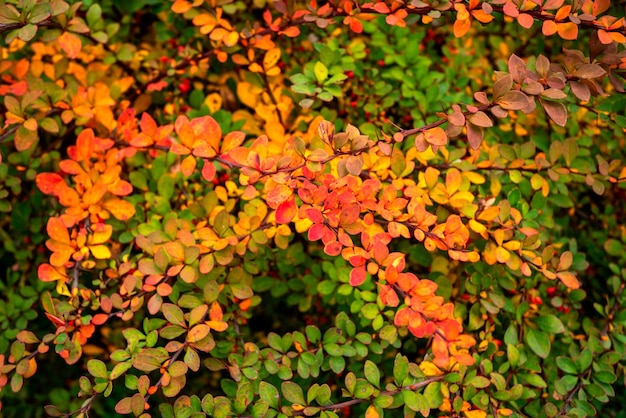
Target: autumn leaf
column 70, row 43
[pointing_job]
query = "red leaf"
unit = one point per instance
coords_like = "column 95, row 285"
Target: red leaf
column 333, row 248
column 316, row 232
column 286, row 211
column 208, row 171
column 358, row 275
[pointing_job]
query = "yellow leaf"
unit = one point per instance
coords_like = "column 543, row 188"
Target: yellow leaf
column 475, row 414
column 430, row 369
column 271, row 58
column 372, row 412
column 101, row 252
column 213, row 102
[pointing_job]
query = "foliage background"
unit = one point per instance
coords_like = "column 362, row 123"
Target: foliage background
column 544, row 346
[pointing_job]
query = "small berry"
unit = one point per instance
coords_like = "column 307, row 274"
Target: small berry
column 349, row 74
column 381, row 63
column 551, row 291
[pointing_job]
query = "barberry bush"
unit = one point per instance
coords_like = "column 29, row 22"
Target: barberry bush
column 312, row 208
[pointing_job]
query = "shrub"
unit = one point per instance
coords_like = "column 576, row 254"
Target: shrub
column 331, row 208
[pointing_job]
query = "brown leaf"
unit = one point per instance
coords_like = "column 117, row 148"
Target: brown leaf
column 513, row 100
column 542, row 65
column 481, row 119
column 474, row 135
column 517, row 68
column 502, row 86
column 589, row 71
column 556, row 111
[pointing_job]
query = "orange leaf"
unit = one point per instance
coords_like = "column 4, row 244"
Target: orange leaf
column 47, row 273
column 356, row 25
column 232, row 140
column 84, row 149
column 57, row 230
column 70, row 43
column 461, row 27
column 568, row 31
column 198, row 332
column 175, row 250
column 568, row 279
column 525, row 20
column 188, row 165
column 120, row 209
column 291, row 32
column 48, row 182
column 215, row 313
column 148, row 125
column 181, row 6
column 436, row 136
column 549, row 28
column 120, row 188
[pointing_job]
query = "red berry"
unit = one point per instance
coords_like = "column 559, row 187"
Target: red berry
column 164, row 59
column 353, row 103
column 349, row 74
column 465, row 296
column 381, row 63
column 537, row 300
column 551, row 291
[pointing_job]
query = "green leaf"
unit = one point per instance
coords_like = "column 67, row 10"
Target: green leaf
column 149, row 359
column 533, row 379
column 372, row 374
column 567, row 365
column 479, row 382
column 613, row 247
column 293, row 393
column 269, row 394
column 120, row 369
column 337, row 364
column 550, row 324
column 325, row 96
column 538, row 341
column 433, row 395
column 363, row 389
column 605, row 377
column 512, row 354
column 97, row 368
column 350, row 383
column 400, row 369
column 584, row 361
column 222, row 222
column 165, row 186
column 27, row 32
column 173, row 314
